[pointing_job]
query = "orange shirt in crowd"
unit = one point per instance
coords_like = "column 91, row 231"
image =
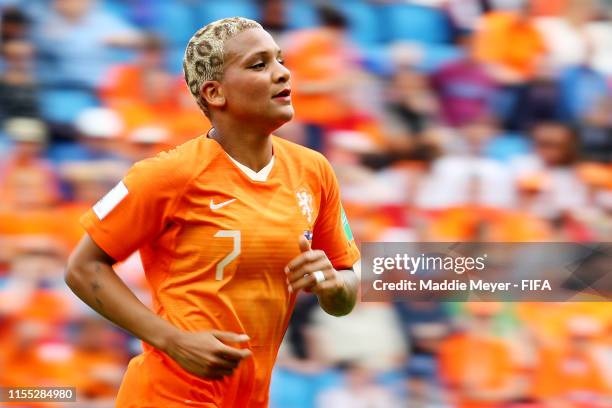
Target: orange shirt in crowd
column 506, row 39
column 27, row 184
column 548, row 8
column 123, row 83
column 471, row 222
column 313, row 57
column 214, row 242
column 179, row 124
column 59, row 223
column 549, row 321
column 561, row 374
column 472, row 362
column 124, row 93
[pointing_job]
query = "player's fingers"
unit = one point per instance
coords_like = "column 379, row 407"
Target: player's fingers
column 304, row 244
column 298, row 261
column 219, row 374
column 222, row 361
column 230, row 337
column 212, row 376
column 307, row 281
column 230, row 353
column 224, row 373
column 304, row 258
column 327, row 284
column 319, row 265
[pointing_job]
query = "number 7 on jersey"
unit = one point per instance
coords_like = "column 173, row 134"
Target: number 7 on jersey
column 235, row 235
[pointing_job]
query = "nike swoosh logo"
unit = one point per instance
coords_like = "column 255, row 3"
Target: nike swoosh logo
column 215, row 207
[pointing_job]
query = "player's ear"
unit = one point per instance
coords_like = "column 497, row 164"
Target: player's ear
column 212, row 92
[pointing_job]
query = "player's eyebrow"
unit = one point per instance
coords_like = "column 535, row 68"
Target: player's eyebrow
column 262, row 53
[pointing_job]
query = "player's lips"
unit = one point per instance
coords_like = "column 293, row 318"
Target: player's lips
column 284, row 95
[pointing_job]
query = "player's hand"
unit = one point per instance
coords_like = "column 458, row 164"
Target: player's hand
column 205, row 355
column 300, row 271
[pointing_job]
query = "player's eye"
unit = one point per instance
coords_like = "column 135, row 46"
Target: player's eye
column 259, row 65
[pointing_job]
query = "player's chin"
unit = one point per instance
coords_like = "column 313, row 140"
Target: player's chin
column 287, row 112
column 282, row 114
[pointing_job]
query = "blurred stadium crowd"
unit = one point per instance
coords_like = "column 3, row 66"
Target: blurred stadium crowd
column 446, row 120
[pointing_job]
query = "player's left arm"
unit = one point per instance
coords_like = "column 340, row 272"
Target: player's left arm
column 325, row 269
column 337, row 293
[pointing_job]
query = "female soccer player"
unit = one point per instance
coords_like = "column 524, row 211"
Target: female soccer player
column 224, row 225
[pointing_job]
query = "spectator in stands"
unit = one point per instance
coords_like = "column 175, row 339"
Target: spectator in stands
column 145, row 142
column 98, row 130
column 359, row 391
column 566, row 35
column 98, row 359
column 99, row 150
column 509, row 42
column 75, row 42
column 586, row 102
column 464, row 176
column 125, row 84
column 600, row 33
column 412, row 101
column 596, row 132
column 30, row 189
column 555, row 156
column 273, row 18
column 476, row 365
column 14, row 24
column 582, row 90
column 323, row 71
column 578, row 378
column 26, row 178
column 535, row 101
column 18, row 88
column 465, row 88
column 147, row 95
column 425, row 324
column 358, row 338
column 513, row 49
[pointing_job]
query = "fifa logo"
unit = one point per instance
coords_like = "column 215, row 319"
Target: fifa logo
column 305, row 202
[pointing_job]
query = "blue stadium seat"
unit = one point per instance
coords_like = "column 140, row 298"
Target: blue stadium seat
column 174, row 22
column 290, row 389
column 506, row 146
column 415, row 22
column 63, row 105
column 363, row 19
column 437, row 55
column 215, row 10
column 174, row 58
column 377, row 60
column 118, row 8
column 300, row 14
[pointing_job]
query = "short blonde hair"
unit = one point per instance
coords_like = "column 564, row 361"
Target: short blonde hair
column 203, row 60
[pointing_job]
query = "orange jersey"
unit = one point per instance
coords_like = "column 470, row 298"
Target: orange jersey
column 214, row 243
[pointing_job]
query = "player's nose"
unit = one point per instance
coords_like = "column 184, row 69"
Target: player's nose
column 281, row 73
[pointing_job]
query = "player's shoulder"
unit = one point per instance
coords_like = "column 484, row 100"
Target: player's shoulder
column 178, row 164
column 303, row 160
column 300, row 155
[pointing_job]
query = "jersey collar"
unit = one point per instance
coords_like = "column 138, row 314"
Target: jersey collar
column 261, row 175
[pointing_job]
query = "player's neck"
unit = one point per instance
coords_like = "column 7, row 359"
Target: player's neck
column 252, row 149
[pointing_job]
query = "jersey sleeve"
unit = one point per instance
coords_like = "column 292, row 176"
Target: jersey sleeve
column 332, row 232
column 138, row 208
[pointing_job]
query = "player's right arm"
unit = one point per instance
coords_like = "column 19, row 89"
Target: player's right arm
column 132, row 214
column 91, row 277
